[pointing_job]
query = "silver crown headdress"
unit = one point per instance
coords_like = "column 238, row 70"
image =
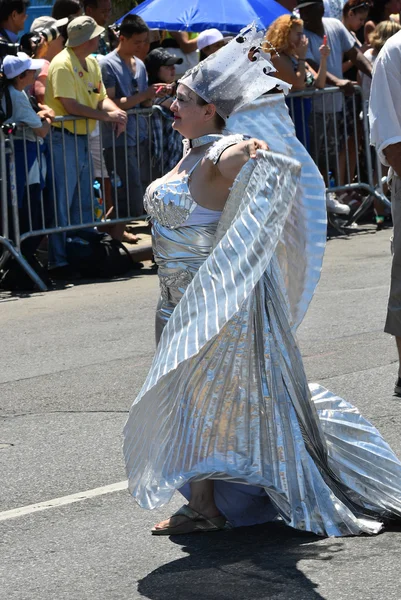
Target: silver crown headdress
column 236, row 74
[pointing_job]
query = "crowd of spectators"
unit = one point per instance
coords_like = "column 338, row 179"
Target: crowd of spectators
column 97, row 71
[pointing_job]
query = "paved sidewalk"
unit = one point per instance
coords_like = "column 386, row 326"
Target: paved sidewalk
column 73, row 361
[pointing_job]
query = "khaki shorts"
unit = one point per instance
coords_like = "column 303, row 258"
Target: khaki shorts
column 99, row 166
column 393, row 321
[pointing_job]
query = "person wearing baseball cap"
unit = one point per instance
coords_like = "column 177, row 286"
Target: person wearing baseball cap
column 13, row 66
column 209, row 41
column 19, row 73
column 47, row 50
column 75, row 87
column 160, row 65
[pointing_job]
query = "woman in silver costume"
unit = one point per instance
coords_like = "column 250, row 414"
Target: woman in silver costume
column 226, row 415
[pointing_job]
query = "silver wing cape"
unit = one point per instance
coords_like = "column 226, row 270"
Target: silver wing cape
column 227, row 398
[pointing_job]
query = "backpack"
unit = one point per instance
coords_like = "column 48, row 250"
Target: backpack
column 6, row 48
column 97, row 255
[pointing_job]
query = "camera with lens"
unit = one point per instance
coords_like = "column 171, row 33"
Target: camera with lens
column 31, row 41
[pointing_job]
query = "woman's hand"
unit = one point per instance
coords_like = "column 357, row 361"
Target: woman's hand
column 235, row 157
column 46, row 112
column 302, row 49
column 253, row 145
column 324, row 49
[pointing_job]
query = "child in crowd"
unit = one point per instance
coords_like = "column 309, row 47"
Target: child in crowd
column 20, row 71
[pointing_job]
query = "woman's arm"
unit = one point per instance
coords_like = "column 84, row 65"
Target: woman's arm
column 321, row 75
column 233, row 158
column 184, row 43
column 39, row 88
column 285, row 71
column 44, row 130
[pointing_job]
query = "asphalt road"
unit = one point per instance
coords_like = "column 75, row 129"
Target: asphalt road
column 71, row 363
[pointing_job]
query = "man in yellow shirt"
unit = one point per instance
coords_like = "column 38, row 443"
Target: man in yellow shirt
column 75, row 87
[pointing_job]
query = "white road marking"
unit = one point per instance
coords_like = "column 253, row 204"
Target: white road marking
column 63, row 501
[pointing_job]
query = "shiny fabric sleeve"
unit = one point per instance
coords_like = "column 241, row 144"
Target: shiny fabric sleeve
column 300, row 249
column 267, row 187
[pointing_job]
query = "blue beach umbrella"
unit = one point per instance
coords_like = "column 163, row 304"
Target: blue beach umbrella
column 229, row 16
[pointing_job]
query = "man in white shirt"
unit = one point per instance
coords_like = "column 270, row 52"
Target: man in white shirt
column 327, row 127
column 334, row 8
column 385, row 131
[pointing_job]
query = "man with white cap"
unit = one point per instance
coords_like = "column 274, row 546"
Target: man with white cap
column 210, row 40
column 75, row 87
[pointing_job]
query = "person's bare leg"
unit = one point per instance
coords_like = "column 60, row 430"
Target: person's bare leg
column 202, row 498
column 202, row 501
column 398, row 342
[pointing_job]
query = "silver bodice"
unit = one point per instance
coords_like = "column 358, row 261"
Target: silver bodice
column 169, row 203
column 181, row 246
column 179, row 249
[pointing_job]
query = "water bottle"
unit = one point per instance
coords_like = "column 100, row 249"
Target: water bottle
column 332, row 180
column 115, row 180
column 98, row 207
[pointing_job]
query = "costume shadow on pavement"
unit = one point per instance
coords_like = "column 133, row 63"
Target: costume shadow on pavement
column 248, row 563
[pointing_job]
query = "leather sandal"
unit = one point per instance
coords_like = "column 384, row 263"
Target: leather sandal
column 194, row 523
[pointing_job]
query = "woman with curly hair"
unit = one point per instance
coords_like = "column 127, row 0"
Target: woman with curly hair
column 288, row 45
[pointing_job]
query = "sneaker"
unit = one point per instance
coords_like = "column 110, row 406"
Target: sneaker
column 336, row 207
column 397, row 387
column 65, row 273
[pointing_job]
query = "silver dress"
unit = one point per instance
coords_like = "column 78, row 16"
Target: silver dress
column 227, row 397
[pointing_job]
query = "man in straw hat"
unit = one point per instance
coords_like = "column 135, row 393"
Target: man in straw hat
column 75, row 87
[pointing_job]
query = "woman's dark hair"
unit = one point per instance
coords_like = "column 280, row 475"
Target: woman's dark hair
column 14, row 80
column 92, row 3
column 220, row 122
column 357, row 6
column 377, row 11
column 65, row 8
column 133, row 24
column 152, row 74
column 7, row 7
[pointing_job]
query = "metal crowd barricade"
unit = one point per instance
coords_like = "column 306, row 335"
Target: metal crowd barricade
column 96, row 219
column 56, row 211
column 8, row 199
column 335, row 130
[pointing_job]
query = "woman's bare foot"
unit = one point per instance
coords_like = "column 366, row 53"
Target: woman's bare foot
column 129, row 238
column 171, row 522
column 208, row 512
column 202, row 502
